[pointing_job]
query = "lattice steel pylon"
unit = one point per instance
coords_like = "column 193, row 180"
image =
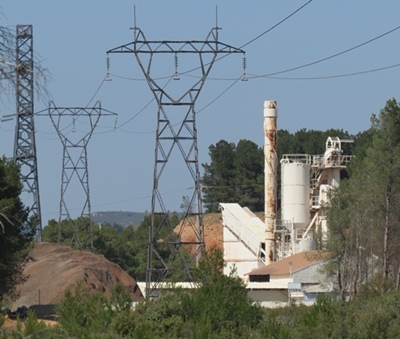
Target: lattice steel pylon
column 164, row 248
column 25, row 144
column 75, row 162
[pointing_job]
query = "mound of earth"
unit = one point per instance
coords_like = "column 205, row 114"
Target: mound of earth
column 52, row 269
column 213, row 231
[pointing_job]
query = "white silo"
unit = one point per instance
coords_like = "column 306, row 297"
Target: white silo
column 295, row 186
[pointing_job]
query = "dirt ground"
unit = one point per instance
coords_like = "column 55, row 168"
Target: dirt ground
column 11, row 323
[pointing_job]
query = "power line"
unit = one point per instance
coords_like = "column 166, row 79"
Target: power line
column 97, row 91
column 270, row 75
column 259, row 36
column 334, row 55
column 200, row 110
column 220, row 95
column 137, row 79
column 328, row 76
column 276, row 25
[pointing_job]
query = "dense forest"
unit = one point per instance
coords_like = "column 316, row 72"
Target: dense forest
column 362, row 250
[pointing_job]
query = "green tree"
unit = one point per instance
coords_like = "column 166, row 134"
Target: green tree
column 50, row 232
column 219, row 176
column 340, row 242
column 73, row 232
column 362, row 141
column 382, row 165
column 309, row 142
column 249, row 175
column 103, row 237
column 84, row 315
column 129, row 247
column 220, row 304
column 16, row 232
column 364, row 219
column 218, row 307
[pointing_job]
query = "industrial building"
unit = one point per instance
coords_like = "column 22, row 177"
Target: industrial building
column 275, row 257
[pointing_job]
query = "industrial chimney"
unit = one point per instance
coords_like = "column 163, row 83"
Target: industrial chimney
column 270, row 170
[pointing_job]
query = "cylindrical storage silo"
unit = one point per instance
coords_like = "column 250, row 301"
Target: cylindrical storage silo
column 295, row 184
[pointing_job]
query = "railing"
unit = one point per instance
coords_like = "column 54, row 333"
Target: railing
column 299, row 158
column 283, row 226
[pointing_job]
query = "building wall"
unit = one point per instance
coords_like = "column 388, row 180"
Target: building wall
column 310, row 274
column 269, row 298
column 280, row 279
column 238, row 255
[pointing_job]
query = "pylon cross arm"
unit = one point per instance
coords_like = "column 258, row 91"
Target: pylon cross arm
column 206, row 46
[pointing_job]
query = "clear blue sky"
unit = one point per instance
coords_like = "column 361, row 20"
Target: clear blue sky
column 71, row 38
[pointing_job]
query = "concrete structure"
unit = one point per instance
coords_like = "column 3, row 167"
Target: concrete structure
column 244, row 236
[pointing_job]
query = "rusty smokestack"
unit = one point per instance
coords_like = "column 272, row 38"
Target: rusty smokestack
column 270, row 170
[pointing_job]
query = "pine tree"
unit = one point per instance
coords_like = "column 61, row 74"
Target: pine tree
column 16, row 233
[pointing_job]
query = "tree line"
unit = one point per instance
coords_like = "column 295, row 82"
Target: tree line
column 236, row 172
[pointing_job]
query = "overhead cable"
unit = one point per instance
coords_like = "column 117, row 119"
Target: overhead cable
column 334, row 55
column 276, row 25
column 327, row 76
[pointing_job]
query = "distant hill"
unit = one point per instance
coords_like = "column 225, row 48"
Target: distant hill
column 117, row 217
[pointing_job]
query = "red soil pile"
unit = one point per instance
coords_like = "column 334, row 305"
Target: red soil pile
column 213, row 231
column 51, row 269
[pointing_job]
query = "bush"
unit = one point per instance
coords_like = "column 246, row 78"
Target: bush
column 221, row 303
column 84, row 315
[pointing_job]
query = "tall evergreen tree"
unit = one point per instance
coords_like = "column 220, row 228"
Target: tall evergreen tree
column 382, row 165
column 249, row 175
column 366, row 232
column 16, row 233
column 219, row 176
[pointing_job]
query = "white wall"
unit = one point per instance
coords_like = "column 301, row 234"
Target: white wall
column 269, row 298
column 236, row 254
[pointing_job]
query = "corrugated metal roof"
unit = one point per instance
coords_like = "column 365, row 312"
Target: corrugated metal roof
column 283, row 267
column 247, row 219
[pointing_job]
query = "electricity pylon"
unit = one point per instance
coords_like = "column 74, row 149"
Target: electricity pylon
column 25, row 145
column 164, row 248
column 75, row 163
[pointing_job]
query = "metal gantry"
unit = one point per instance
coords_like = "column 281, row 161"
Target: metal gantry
column 25, row 145
column 75, row 163
column 166, row 246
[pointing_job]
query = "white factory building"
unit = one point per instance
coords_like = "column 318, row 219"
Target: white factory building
column 275, row 257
